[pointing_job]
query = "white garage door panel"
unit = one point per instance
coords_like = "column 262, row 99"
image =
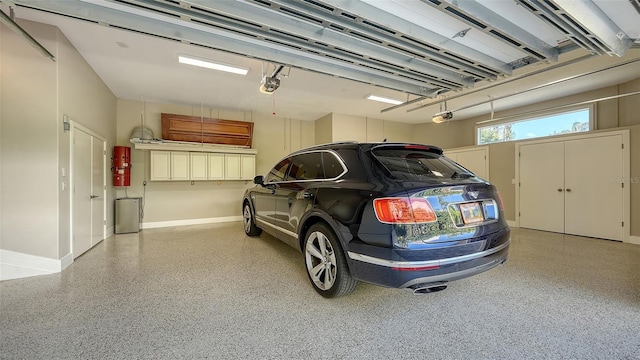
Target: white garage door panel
column 541, row 176
column 594, row 202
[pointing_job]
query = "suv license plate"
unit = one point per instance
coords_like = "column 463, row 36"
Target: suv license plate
column 471, row 213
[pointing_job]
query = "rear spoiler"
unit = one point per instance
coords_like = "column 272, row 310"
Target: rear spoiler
column 429, row 148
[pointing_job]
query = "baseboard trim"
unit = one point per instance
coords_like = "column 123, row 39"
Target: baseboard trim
column 66, row 261
column 15, row 265
column 512, row 223
column 110, row 231
column 634, row 240
column 161, row 224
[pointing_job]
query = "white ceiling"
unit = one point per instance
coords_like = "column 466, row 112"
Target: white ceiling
column 142, row 67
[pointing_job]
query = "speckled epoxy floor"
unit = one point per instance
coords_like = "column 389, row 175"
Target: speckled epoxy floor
column 210, row 292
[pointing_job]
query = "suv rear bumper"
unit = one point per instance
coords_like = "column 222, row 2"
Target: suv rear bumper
column 402, row 274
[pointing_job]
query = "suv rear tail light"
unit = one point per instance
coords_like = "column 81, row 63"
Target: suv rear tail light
column 403, row 210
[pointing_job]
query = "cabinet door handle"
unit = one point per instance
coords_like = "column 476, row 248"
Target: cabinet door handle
column 94, row 196
column 559, row 190
column 568, row 190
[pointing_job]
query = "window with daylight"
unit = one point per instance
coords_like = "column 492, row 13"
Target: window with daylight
column 573, row 121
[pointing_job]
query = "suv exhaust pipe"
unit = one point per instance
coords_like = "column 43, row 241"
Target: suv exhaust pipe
column 421, row 289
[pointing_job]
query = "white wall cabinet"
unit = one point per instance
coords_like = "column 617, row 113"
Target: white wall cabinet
column 160, row 165
column 198, row 166
column 180, row 163
column 239, row 166
column 475, row 159
column 247, row 166
column 185, row 165
column 232, row 166
column 215, row 166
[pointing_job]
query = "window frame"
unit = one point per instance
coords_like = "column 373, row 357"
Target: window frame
column 291, row 156
column 532, row 116
column 290, row 178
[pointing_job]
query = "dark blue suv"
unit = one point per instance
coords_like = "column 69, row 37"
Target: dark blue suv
column 391, row 214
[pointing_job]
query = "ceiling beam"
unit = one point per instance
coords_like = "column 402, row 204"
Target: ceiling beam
column 164, row 26
column 582, row 22
column 387, row 19
column 496, row 26
column 591, row 17
column 315, row 38
column 389, row 38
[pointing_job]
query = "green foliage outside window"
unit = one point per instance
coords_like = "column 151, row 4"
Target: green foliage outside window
column 561, row 123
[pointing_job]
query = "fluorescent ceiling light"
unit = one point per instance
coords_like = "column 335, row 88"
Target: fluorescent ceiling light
column 184, row 59
column 384, row 99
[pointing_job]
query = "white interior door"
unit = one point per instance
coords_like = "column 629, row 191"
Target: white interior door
column 541, row 178
column 82, row 174
column 594, row 203
column 88, row 191
column 98, row 220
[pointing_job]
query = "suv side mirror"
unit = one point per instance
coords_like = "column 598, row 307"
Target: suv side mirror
column 258, row 180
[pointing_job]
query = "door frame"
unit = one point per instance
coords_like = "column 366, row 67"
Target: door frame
column 626, row 171
column 75, row 127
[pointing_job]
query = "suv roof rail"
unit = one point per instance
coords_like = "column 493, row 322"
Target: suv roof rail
column 328, row 144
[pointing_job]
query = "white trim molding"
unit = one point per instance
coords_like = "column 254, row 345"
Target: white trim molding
column 110, row 231
column 161, row 224
column 512, row 223
column 15, row 265
column 634, row 240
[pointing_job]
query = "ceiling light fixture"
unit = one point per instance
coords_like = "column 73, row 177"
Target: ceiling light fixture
column 442, row 117
column 190, row 60
column 384, row 99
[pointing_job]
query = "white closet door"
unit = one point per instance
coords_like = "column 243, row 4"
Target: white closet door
column 88, row 191
column 98, row 219
column 82, row 202
column 594, row 203
column 542, row 186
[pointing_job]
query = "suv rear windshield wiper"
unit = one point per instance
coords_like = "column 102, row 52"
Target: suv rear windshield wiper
column 457, row 175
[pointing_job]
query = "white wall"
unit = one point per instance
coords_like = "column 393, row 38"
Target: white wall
column 323, row 129
column 86, row 100
column 335, row 127
column 29, row 144
column 36, row 92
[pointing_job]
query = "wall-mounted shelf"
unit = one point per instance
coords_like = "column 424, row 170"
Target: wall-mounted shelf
column 193, row 147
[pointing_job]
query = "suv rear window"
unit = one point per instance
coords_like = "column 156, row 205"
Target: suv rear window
column 416, row 164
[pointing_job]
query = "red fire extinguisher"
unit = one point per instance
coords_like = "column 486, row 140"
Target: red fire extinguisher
column 121, row 166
